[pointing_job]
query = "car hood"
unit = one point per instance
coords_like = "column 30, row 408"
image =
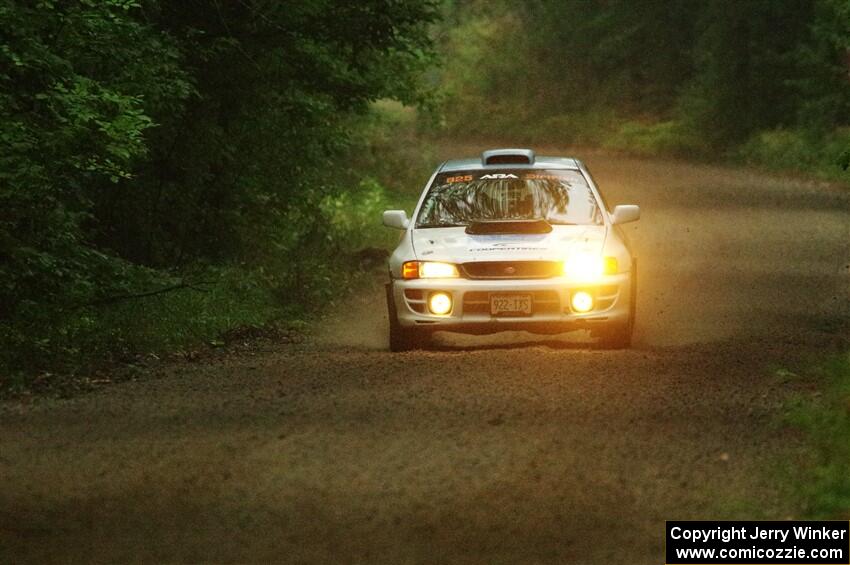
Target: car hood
column 454, row 245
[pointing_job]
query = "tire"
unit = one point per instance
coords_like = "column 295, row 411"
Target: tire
column 616, row 337
column 401, row 338
column 619, row 336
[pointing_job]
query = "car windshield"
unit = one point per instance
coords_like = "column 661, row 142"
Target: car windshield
column 559, row 196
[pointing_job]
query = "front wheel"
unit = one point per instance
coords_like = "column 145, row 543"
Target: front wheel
column 619, row 336
column 616, row 337
column 401, row 338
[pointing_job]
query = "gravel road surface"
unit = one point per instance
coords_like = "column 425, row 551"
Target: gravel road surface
column 498, row 449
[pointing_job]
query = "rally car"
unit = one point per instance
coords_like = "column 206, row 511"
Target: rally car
column 511, row 241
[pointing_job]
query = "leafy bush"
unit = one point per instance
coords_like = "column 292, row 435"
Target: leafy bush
column 799, row 150
column 198, row 306
column 391, row 145
column 354, row 218
column 662, row 138
column 176, row 315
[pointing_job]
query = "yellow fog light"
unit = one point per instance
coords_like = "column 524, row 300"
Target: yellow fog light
column 440, row 303
column 582, row 301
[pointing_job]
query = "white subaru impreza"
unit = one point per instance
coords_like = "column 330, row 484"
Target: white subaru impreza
column 511, row 241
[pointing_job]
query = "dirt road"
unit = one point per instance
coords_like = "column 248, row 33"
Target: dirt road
column 489, row 450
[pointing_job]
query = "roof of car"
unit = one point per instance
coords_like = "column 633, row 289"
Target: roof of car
column 540, row 162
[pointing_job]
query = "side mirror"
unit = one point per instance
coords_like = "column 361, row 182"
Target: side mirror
column 625, row 213
column 396, row 219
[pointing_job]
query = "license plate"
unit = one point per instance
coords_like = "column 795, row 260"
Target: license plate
column 510, row 305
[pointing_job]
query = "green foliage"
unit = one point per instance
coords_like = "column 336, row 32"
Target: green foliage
column 656, row 138
column 477, row 75
column 530, row 76
column 822, row 85
column 278, row 86
column 128, row 327
column 672, row 77
column 142, row 140
column 743, row 68
column 799, row 150
column 822, row 481
column 72, row 125
column 594, row 127
column 389, row 144
column 352, row 215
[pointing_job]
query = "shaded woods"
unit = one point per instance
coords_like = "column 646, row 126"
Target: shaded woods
column 763, row 80
column 173, row 170
column 195, row 146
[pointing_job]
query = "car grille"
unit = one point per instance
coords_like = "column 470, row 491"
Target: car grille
column 512, row 269
column 543, row 302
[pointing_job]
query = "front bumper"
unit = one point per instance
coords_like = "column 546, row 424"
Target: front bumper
column 551, row 310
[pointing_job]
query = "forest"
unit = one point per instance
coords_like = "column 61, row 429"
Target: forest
column 174, row 171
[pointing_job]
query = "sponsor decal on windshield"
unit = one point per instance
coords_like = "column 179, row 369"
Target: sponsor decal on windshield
column 542, row 176
column 546, row 175
column 474, row 249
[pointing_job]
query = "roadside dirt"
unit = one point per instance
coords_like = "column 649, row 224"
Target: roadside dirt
column 500, row 449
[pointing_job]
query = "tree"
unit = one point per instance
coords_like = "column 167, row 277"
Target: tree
column 141, row 137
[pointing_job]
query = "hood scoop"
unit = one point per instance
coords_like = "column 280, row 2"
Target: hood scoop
column 487, row 227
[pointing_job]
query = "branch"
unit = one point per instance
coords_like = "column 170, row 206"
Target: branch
column 123, row 297
column 237, row 43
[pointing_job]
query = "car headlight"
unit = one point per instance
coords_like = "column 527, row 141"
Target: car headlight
column 429, row 270
column 587, row 266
